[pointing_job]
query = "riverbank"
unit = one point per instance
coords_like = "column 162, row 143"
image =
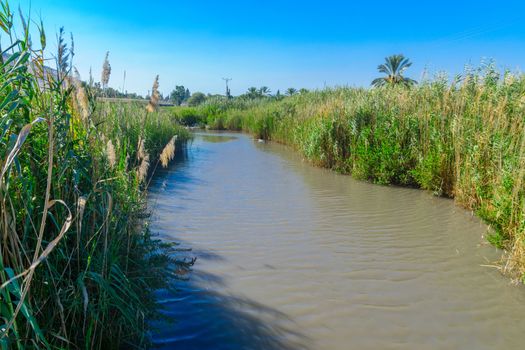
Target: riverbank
column 464, row 140
column 78, row 267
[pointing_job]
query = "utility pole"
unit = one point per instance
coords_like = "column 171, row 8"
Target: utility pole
column 124, row 82
column 227, row 80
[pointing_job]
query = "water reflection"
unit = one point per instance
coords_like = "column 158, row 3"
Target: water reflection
column 216, row 138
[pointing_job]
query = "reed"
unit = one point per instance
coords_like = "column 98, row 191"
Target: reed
column 78, row 265
column 464, row 140
column 106, row 72
column 168, row 153
column 153, row 104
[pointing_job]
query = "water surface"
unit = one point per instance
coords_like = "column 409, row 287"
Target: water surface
column 295, row 257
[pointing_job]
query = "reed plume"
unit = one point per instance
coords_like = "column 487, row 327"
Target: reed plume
column 143, row 168
column 155, row 96
column 168, row 152
column 106, row 72
column 110, row 153
column 143, row 158
column 81, row 97
column 141, row 149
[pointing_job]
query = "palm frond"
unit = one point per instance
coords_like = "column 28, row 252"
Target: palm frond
column 393, row 68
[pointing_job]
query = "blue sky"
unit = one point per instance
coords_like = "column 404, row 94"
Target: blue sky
column 280, row 44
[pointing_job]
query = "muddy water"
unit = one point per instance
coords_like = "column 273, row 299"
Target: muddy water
column 295, row 257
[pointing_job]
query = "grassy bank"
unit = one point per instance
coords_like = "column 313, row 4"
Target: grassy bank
column 78, row 267
column 464, row 140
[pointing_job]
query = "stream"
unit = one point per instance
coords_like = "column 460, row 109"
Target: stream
column 290, row 256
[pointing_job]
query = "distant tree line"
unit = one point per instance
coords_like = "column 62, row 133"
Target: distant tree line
column 394, row 68
column 264, row 92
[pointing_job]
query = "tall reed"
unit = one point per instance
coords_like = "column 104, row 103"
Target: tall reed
column 78, row 266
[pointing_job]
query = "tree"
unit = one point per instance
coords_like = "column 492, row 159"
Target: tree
column 253, row 93
column 179, row 95
column 196, row 99
column 291, row 91
column 394, row 67
column 264, row 91
column 278, row 96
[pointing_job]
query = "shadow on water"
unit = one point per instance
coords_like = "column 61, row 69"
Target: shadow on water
column 201, row 313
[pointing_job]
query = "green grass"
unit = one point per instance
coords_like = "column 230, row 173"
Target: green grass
column 464, row 140
column 78, row 265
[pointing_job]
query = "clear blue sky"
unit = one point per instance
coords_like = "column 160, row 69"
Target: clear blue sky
column 281, row 44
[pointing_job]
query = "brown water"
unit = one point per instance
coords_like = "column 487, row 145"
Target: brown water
column 295, row 257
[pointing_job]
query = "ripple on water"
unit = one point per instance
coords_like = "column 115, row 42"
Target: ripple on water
column 295, row 257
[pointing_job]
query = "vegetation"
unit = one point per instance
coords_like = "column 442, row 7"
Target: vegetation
column 463, row 139
column 180, row 95
column 394, row 67
column 196, row 99
column 291, row 91
column 78, row 267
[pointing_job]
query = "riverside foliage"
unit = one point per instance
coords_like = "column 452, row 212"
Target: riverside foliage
column 78, row 267
column 464, row 140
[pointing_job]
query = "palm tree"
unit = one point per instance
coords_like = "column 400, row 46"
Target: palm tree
column 291, row 91
column 265, row 91
column 394, row 67
column 253, row 92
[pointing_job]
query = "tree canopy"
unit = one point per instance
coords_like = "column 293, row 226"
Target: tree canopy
column 394, row 67
column 196, row 99
column 180, row 95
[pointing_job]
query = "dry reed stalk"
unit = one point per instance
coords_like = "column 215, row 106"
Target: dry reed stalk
column 48, row 204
